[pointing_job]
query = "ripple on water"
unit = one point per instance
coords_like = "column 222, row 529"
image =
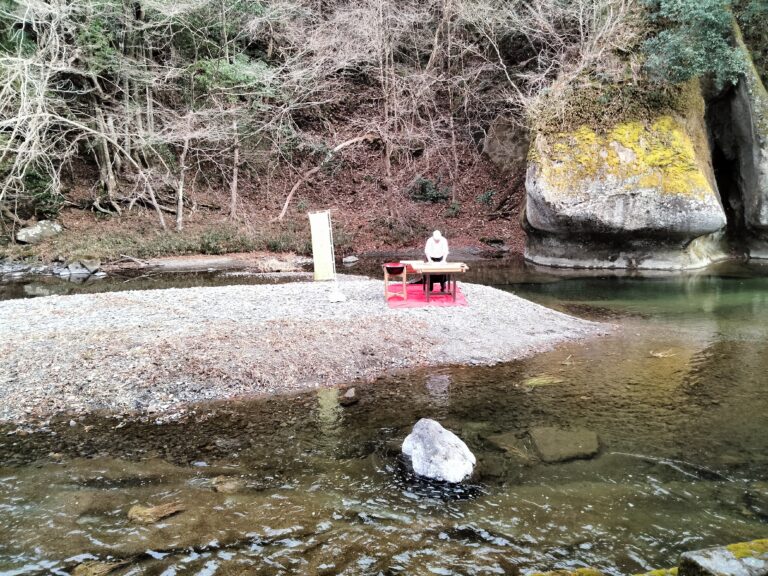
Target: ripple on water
column 302, row 485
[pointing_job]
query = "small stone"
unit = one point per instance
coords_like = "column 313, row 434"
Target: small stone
column 393, row 446
column 72, row 423
column 92, row 265
column 350, row 259
column 151, row 514
column 78, row 269
column 97, row 568
column 227, row 484
column 349, row 398
column 560, row 445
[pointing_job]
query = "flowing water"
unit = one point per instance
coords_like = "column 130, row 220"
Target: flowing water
column 301, row 485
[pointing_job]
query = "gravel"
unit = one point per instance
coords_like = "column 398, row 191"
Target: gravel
column 155, row 351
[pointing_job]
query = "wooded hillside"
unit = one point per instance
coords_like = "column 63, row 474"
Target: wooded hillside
column 173, row 109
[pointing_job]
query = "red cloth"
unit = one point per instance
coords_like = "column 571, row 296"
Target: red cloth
column 417, row 298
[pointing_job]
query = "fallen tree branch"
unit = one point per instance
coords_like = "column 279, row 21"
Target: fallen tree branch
column 309, row 173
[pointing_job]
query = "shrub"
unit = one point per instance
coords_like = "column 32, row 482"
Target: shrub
column 223, row 241
column 425, row 190
column 453, row 210
column 693, row 39
column 486, row 197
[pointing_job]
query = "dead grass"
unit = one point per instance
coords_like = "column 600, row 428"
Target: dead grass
column 367, row 214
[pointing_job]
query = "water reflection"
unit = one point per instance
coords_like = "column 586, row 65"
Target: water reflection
column 439, row 390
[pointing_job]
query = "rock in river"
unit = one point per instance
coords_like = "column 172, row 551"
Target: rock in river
column 437, row 453
column 559, row 445
column 743, row 559
column 349, row 397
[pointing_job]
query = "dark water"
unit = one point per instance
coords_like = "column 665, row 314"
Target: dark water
column 678, row 396
column 38, row 286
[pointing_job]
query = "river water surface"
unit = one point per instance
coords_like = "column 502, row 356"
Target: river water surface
column 302, row 485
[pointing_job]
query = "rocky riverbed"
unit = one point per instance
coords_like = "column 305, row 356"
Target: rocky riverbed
column 157, row 351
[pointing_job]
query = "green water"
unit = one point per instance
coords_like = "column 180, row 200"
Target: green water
column 678, row 396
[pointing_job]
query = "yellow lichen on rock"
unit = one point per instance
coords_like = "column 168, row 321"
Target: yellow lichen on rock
column 659, row 156
column 749, row 549
column 660, row 572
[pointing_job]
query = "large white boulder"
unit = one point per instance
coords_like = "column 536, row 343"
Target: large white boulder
column 437, row 453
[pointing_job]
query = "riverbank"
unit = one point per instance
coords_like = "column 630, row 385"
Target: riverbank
column 154, row 352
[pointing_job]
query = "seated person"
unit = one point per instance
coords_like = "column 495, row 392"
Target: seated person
column 436, row 250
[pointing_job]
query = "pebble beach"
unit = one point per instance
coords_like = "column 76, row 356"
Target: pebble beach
column 159, row 350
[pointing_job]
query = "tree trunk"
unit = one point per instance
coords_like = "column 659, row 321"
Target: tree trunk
column 235, row 169
column 182, row 177
column 309, row 173
column 107, row 174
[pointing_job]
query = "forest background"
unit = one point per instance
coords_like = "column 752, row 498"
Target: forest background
column 152, row 127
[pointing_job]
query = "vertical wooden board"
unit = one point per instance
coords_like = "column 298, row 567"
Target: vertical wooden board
column 322, row 245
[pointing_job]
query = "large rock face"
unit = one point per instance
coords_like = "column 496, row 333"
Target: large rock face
column 738, row 120
column 437, row 453
column 636, row 195
column 507, row 145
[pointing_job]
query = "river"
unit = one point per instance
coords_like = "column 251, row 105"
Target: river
column 301, row 485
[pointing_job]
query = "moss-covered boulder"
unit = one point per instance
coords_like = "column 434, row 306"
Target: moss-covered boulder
column 742, row 559
column 636, row 194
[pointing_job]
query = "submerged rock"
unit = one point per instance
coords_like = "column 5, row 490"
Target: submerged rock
column 97, row 568
column 743, row 559
column 509, row 442
column 39, row 232
column 228, row 484
column 561, row 445
column 150, row 514
column 437, row 453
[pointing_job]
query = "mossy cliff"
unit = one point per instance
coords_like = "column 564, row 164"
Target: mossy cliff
column 748, row 135
column 627, row 190
column 640, row 189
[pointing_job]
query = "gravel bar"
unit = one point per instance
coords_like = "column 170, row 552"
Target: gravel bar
column 155, row 351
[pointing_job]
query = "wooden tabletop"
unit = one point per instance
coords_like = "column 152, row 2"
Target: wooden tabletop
column 437, row 267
